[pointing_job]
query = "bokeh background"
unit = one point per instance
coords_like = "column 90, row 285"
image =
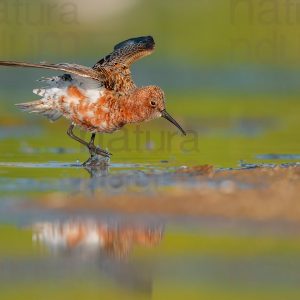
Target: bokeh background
column 230, row 71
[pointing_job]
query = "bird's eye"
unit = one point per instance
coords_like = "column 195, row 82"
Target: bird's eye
column 153, row 103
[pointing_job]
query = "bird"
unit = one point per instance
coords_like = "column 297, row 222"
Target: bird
column 99, row 99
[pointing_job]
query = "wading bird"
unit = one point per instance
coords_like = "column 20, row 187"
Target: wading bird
column 101, row 99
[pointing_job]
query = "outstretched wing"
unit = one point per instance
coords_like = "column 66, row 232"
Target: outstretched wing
column 113, row 71
column 68, row 68
column 115, row 67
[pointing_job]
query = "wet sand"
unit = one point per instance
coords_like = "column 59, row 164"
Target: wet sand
column 254, row 193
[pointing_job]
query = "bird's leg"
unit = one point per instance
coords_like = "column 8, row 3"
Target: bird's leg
column 92, row 148
column 96, row 150
column 92, row 141
column 94, row 163
column 76, row 138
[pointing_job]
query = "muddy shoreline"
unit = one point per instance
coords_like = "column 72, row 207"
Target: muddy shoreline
column 260, row 193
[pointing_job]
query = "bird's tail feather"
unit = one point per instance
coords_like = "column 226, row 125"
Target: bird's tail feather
column 41, row 108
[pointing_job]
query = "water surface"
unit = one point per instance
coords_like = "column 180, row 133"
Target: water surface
column 50, row 250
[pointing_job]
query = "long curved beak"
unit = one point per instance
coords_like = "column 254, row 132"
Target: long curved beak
column 166, row 115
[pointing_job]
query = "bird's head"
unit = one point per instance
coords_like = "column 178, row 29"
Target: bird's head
column 151, row 105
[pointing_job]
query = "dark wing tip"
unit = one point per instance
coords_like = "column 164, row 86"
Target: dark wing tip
column 147, row 42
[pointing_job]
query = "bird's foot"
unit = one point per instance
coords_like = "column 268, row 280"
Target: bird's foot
column 97, row 162
column 94, row 150
column 98, row 158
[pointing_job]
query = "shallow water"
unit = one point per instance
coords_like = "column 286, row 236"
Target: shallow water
column 50, row 250
column 102, row 255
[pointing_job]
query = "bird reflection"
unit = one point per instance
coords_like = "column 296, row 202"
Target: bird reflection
column 90, row 238
column 88, row 243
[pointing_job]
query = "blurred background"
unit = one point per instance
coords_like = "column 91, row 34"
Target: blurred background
column 230, row 71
